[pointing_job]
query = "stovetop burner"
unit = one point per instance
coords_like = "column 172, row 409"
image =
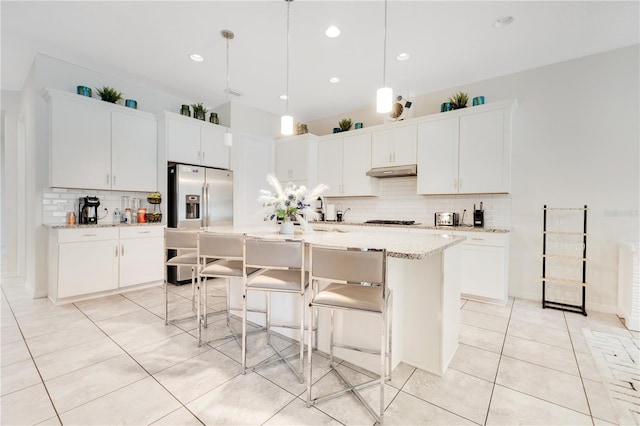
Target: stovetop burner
column 391, row 222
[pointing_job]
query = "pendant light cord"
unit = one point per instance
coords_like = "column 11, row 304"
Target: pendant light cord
column 384, row 50
column 287, row 83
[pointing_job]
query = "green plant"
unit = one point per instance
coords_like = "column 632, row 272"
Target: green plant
column 459, row 100
column 109, row 94
column 199, row 108
column 345, row 124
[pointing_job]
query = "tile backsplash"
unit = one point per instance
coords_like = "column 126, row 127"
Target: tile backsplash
column 397, row 200
column 56, row 202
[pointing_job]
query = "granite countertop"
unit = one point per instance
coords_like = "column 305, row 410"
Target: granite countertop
column 104, row 225
column 408, row 247
column 468, row 228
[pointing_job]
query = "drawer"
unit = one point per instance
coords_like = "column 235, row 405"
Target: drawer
column 148, row 231
column 484, row 238
column 86, row 234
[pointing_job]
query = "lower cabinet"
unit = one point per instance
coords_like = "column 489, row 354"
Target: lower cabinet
column 483, row 261
column 86, row 261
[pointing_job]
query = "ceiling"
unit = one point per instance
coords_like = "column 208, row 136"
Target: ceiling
column 450, row 42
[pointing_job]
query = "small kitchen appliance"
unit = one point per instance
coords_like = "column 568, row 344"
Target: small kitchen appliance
column 478, row 217
column 88, row 210
column 446, row 219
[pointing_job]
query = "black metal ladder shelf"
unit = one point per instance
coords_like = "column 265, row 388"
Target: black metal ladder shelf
column 579, row 260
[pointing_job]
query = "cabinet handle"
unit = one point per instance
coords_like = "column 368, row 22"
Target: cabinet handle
column 477, row 239
column 394, row 157
column 116, row 251
column 122, row 250
column 455, row 184
column 460, row 184
column 108, row 179
column 114, row 180
column 88, row 235
column 144, row 232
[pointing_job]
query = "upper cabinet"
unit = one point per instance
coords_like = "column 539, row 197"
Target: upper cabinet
column 466, row 151
column 98, row 145
column 296, row 159
column 193, row 141
column 395, row 146
column 343, row 162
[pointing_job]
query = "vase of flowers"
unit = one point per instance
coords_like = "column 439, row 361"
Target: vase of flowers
column 289, row 203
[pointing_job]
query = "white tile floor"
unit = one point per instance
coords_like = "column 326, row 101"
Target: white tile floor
column 113, row 361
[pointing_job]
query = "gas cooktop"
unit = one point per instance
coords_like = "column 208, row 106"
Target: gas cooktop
column 391, row 222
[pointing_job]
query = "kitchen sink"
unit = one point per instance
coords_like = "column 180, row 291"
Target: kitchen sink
column 327, row 229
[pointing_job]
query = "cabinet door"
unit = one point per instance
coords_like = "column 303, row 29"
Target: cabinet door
column 80, row 151
column 183, row 142
column 405, row 140
column 394, row 147
column 438, row 157
column 483, row 273
column 214, row 153
column 292, row 160
column 484, row 153
column 381, row 149
column 330, row 165
column 134, row 153
column 356, row 161
column 87, row 267
column 141, row 260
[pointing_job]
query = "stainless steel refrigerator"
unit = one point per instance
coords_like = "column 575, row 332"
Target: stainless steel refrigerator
column 197, row 197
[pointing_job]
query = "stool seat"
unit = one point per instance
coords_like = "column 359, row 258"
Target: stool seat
column 186, row 259
column 227, row 268
column 349, row 296
column 278, row 280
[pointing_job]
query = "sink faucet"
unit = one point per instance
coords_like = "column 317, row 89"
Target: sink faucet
column 345, row 212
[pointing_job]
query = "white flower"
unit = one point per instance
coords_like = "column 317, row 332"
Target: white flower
column 289, row 202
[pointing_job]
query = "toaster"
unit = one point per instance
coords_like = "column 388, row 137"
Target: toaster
column 446, row 219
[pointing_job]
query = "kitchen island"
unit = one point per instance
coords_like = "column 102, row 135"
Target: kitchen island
column 423, row 272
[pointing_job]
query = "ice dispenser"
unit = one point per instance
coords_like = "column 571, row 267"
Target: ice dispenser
column 192, row 206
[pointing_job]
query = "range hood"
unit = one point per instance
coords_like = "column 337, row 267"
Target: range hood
column 394, row 171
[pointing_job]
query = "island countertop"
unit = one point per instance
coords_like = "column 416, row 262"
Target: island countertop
column 405, row 246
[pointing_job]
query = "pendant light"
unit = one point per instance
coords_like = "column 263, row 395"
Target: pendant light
column 228, row 138
column 286, row 121
column 384, row 96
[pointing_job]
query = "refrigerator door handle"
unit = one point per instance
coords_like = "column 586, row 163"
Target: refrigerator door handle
column 205, row 217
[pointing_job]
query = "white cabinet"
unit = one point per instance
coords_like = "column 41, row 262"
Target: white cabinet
column 484, row 265
column 395, row 146
column 296, row 159
column 343, row 163
column 98, row 145
column 87, row 261
column 141, row 255
column 193, row 141
column 91, row 260
column 466, row 151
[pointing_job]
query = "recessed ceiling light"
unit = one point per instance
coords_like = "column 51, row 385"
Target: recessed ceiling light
column 284, row 97
column 403, row 56
column 503, row 21
column 196, row 57
column 332, row 31
column 334, row 80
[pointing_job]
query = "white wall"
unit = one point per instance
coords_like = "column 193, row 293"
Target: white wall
column 575, row 142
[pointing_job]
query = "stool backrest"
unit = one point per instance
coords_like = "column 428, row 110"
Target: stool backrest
column 221, row 246
column 180, row 239
column 274, row 254
column 352, row 265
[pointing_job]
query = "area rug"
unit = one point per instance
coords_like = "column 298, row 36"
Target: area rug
column 618, row 361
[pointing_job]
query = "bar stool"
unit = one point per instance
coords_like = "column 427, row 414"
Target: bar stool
column 180, row 240
column 356, row 282
column 282, row 270
column 227, row 253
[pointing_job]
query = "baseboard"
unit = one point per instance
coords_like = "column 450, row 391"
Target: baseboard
column 591, row 306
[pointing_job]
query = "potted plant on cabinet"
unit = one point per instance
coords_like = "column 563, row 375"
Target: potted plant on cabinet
column 345, row 124
column 199, row 111
column 459, row 100
column 109, row 94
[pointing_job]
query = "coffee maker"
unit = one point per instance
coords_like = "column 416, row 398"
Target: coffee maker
column 88, row 210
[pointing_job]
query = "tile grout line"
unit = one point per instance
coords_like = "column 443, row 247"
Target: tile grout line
column 55, row 410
